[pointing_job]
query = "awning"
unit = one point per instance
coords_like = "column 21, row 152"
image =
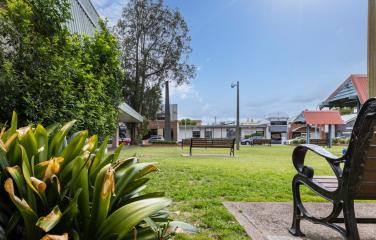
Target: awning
column 322, row 117
column 128, row 115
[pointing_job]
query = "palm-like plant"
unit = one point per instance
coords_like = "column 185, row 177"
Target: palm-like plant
column 55, row 187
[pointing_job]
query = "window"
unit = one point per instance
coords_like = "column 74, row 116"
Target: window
column 276, row 136
column 196, row 134
column 260, row 133
column 208, row 134
column 231, row 133
column 278, row 123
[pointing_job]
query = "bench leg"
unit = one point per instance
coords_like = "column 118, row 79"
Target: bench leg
column 295, row 226
column 350, row 220
column 232, row 152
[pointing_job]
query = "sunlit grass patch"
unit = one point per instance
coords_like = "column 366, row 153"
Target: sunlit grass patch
column 199, row 185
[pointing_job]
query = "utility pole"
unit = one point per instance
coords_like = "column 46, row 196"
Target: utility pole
column 167, row 120
column 237, row 114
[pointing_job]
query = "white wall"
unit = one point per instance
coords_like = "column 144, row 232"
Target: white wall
column 216, row 132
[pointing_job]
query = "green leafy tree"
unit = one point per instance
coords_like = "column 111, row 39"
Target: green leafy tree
column 346, row 110
column 155, row 45
column 188, row 121
column 50, row 75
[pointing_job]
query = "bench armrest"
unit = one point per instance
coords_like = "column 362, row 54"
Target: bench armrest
column 300, row 151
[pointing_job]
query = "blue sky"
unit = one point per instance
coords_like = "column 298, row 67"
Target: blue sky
column 288, row 55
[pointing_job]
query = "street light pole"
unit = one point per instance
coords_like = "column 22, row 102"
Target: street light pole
column 167, row 120
column 237, row 114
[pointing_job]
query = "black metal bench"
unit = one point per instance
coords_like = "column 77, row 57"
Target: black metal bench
column 212, row 143
column 355, row 181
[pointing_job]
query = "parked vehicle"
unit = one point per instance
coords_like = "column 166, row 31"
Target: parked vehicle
column 123, row 136
column 154, row 138
column 248, row 141
column 125, row 140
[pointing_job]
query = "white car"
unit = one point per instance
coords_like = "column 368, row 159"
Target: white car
column 155, row 138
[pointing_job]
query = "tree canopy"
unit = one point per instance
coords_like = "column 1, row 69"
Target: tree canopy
column 155, row 45
column 48, row 74
column 188, row 122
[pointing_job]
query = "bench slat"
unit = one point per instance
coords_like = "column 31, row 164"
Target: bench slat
column 329, row 182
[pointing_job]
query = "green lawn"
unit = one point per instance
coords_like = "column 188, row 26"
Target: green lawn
column 199, row 185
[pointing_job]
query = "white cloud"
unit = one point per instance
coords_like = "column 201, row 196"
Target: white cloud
column 110, row 9
column 183, row 92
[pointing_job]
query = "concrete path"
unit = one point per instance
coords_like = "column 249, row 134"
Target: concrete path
column 270, row 221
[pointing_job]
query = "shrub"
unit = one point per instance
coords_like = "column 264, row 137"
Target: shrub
column 48, row 74
column 341, row 140
column 164, row 142
column 256, row 134
column 57, row 187
column 299, row 141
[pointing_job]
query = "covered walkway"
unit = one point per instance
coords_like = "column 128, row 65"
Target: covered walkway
column 128, row 116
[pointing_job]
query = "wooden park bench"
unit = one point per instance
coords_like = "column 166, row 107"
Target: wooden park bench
column 261, row 142
column 185, row 142
column 212, row 143
column 356, row 180
column 320, row 142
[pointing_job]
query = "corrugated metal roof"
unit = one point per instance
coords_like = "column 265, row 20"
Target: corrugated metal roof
column 349, row 117
column 322, row 117
column 128, row 114
column 354, row 86
column 85, row 18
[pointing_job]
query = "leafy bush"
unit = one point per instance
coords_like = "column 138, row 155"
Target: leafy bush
column 299, row 141
column 188, row 122
column 164, row 142
column 57, row 187
column 341, row 140
column 48, row 74
column 256, row 134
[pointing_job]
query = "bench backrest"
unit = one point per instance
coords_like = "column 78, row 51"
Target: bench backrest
column 208, row 142
column 262, row 141
column 186, row 141
column 319, row 141
column 360, row 168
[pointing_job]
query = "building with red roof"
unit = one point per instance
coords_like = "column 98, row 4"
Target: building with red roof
column 315, row 125
column 353, row 92
column 322, row 117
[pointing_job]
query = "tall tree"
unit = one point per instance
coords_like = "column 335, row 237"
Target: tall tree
column 155, row 44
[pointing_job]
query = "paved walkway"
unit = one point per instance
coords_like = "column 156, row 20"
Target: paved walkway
column 270, row 221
